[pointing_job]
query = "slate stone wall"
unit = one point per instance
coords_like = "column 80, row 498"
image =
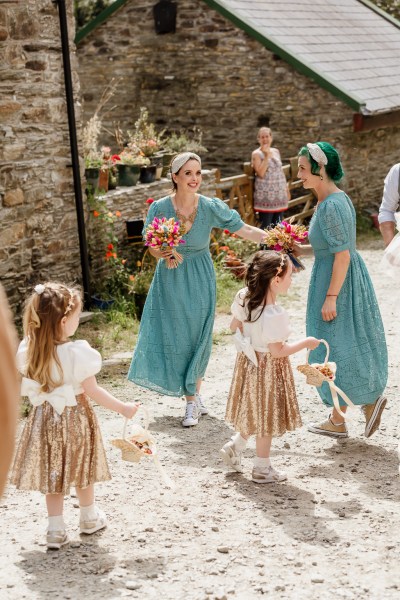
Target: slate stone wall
column 212, row 75
column 38, row 230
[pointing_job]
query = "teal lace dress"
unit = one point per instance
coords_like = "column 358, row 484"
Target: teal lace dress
column 175, row 337
column 356, row 337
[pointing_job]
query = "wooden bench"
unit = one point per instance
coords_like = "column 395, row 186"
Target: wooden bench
column 237, row 192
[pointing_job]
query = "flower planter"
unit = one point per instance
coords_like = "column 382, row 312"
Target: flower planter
column 148, row 174
column 167, row 158
column 102, row 303
column 92, row 178
column 103, row 180
column 128, row 175
column 159, row 170
column 235, row 266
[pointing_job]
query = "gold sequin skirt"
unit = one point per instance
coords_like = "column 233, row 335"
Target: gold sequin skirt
column 56, row 452
column 262, row 400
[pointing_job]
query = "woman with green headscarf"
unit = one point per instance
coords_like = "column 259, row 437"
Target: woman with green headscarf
column 342, row 307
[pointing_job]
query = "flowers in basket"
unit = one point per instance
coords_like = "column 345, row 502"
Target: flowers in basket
column 138, row 444
column 163, row 233
column 318, row 373
column 283, row 238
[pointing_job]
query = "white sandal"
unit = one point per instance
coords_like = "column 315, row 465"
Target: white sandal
column 91, row 526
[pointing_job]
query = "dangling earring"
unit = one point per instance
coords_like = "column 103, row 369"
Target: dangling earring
column 321, row 178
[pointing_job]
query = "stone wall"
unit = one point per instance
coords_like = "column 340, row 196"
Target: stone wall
column 213, row 75
column 38, row 229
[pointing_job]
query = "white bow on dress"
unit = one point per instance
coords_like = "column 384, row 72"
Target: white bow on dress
column 243, row 344
column 59, row 398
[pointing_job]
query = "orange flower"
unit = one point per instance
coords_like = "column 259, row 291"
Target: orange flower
column 117, row 213
column 138, row 263
column 110, row 246
column 131, row 278
column 123, row 261
column 96, row 213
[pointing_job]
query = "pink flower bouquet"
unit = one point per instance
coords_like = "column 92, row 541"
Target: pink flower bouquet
column 163, row 233
column 283, row 238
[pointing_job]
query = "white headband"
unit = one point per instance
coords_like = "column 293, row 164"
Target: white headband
column 181, row 159
column 317, row 153
column 39, row 288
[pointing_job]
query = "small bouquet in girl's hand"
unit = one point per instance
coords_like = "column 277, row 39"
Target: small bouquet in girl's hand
column 283, row 238
column 166, row 233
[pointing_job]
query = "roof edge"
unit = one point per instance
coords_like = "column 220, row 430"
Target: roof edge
column 381, row 12
column 352, row 101
column 94, row 23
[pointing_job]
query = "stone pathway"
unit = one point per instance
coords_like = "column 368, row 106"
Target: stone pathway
column 330, row 532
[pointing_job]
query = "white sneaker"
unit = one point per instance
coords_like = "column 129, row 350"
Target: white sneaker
column 231, row 457
column 267, row 475
column 201, row 407
column 56, row 538
column 93, row 525
column 192, row 415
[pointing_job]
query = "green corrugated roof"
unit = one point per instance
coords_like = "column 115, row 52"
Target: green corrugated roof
column 350, row 47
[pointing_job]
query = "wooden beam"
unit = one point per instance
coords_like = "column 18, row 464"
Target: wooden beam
column 370, row 122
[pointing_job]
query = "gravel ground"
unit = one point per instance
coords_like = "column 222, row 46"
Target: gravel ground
column 330, row 531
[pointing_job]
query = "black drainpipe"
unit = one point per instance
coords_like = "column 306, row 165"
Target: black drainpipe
column 74, row 149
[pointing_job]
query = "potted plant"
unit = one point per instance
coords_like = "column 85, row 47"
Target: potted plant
column 147, row 170
column 113, row 276
column 183, row 141
column 140, row 286
column 128, row 166
column 148, row 141
column 93, row 163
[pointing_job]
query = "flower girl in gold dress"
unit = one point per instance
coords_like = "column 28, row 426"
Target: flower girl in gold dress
column 262, row 399
column 61, row 443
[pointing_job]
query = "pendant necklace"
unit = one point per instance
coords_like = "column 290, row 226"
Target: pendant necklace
column 187, row 219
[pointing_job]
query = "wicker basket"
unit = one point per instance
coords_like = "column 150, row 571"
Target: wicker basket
column 313, row 373
column 315, row 377
column 130, row 451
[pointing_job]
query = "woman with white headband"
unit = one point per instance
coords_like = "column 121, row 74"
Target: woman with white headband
column 342, row 307
column 175, row 337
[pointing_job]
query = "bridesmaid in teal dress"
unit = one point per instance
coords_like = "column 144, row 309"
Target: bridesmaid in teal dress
column 175, row 337
column 342, row 307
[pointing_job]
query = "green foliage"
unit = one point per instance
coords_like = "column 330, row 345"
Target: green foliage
column 227, row 286
column 390, row 6
column 184, row 141
column 87, row 10
column 142, row 281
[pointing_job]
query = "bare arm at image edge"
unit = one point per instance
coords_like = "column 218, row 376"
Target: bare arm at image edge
column 9, row 388
column 389, row 205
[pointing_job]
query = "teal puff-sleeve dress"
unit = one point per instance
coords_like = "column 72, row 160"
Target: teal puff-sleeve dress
column 175, row 337
column 356, row 336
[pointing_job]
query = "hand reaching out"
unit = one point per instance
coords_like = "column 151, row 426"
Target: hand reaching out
column 312, row 343
column 130, row 409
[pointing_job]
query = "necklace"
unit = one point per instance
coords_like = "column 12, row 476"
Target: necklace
column 187, row 219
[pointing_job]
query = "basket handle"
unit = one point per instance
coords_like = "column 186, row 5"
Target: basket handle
column 327, row 351
column 146, row 418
